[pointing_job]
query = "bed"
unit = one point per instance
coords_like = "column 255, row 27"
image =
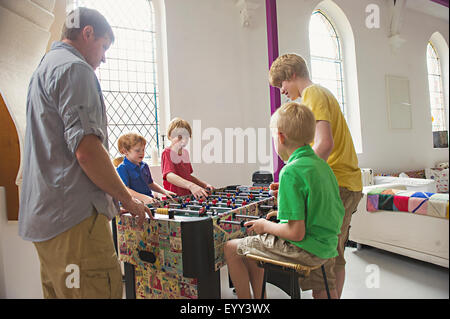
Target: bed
column 404, row 226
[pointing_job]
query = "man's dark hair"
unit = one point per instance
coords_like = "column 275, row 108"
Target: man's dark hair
column 77, row 19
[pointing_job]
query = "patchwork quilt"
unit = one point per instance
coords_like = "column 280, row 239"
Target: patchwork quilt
column 397, row 200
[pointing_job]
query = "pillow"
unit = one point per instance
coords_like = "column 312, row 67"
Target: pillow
column 440, row 175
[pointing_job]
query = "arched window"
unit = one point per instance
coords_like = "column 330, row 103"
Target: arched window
column 129, row 76
column 437, row 105
column 326, row 56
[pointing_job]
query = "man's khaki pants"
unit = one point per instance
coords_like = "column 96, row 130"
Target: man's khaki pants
column 81, row 262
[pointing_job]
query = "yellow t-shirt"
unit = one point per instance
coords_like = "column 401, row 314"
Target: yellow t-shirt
column 342, row 160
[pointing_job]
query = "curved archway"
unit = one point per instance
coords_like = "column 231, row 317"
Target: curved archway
column 9, row 165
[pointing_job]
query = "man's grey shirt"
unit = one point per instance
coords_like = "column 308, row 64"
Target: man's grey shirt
column 64, row 104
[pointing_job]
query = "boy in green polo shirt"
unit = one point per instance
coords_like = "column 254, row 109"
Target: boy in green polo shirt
column 309, row 208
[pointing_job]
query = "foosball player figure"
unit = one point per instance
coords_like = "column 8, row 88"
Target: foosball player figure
column 202, row 211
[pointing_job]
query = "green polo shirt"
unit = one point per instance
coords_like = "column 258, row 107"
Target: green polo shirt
column 309, row 191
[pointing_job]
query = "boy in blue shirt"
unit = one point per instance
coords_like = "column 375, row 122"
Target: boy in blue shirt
column 135, row 173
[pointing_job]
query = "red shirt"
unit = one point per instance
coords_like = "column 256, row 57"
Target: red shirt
column 180, row 165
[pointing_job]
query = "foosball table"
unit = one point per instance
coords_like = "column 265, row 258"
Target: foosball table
column 179, row 253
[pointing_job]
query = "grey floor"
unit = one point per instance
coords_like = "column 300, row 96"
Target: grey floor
column 377, row 274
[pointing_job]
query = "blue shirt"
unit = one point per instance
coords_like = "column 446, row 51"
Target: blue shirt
column 64, row 104
column 136, row 177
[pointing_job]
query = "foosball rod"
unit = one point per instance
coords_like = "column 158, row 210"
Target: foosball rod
column 247, row 216
column 242, row 191
column 184, row 212
column 222, row 203
column 242, row 222
column 267, row 207
column 241, row 198
column 231, row 222
column 225, row 198
column 178, row 206
column 242, row 195
column 171, row 211
column 272, row 218
column 224, row 206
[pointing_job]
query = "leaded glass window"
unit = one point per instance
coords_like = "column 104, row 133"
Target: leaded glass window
column 436, row 91
column 326, row 56
column 129, row 76
column 437, row 106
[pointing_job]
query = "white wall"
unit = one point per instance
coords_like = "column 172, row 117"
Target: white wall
column 24, row 35
column 19, row 263
column 217, row 72
column 384, row 149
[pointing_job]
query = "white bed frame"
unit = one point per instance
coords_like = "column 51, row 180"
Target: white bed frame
column 421, row 237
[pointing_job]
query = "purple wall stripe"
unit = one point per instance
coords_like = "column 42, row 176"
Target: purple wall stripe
column 442, row 2
column 275, row 99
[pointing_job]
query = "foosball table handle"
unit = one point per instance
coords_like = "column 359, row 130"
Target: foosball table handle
column 274, row 219
column 147, row 256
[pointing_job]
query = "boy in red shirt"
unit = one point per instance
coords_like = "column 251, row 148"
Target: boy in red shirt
column 176, row 165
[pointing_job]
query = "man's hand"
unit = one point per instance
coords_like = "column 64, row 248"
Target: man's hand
column 148, row 200
column 95, row 162
column 137, row 209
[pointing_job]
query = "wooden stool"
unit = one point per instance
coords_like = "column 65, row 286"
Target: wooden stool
column 295, row 271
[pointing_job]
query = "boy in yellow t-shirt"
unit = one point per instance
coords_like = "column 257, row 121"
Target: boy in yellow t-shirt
column 332, row 141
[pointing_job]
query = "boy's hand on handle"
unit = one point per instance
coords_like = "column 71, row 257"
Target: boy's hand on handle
column 170, row 194
column 197, row 191
column 136, row 208
column 274, row 189
column 258, row 226
column 272, row 214
column 209, row 189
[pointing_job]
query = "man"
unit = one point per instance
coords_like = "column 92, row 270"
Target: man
column 332, row 142
column 69, row 181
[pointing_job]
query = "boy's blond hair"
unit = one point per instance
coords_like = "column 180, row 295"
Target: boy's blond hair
column 286, row 66
column 127, row 141
column 296, row 121
column 178, row 123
